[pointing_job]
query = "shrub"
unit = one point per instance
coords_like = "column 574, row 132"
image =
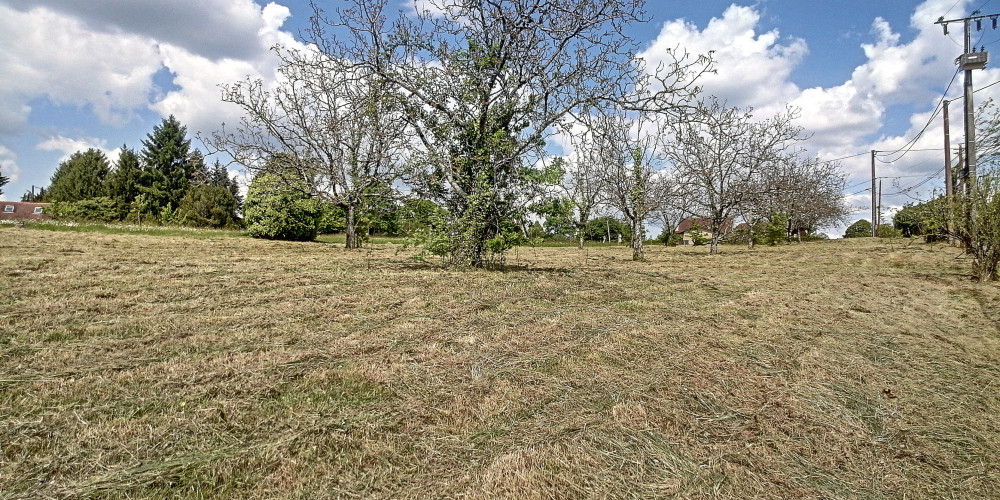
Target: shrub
column 277, row 211
column 100, row 209
column 208, row 206
column 332, row 219
column 776, row 230
column 887, row 231
column 859, row 229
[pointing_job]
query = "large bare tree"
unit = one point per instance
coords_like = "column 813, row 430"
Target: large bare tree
column 483, row 84
column 718, row 153
column 633, row 168
column 328, row 126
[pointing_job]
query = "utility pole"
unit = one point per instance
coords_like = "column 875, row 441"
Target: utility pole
column 874, row 198
column 948, row 188
column 879, row 212
column 968, row 61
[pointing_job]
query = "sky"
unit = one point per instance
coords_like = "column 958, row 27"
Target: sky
column 863, row 74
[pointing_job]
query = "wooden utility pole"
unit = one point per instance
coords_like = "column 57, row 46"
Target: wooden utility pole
column 874, row 198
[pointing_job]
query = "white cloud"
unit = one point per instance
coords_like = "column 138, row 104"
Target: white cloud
column 752, row 69
column 45, row 54
column 8, row 164
column 197, row 101
column 67, row 146
column 213, row 28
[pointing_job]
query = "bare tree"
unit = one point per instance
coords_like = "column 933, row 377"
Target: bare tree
column 327, row 126
column 629, row 148
column 583, row 183
column 718, row 152
column 484, row 83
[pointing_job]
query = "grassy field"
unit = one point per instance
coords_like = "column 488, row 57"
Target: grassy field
column 168, row 366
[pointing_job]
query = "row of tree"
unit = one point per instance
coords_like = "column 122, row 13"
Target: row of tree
column 457, row 106
column 166, row 182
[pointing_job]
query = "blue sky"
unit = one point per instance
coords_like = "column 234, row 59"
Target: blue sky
column 865, row 74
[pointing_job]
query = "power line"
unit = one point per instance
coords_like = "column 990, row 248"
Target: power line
column 986, row 86
column 937, row 109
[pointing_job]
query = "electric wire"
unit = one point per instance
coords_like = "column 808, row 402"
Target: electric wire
column 937, row 109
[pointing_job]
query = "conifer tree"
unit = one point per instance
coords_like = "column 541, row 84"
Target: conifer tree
column 168, row 167
column 124, row 182
column 3, row 180
column 80, row 177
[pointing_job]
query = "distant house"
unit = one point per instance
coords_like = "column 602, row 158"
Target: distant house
column 22, row 210
column 700, row 227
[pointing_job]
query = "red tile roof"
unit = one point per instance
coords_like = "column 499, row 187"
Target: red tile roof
column 704, row 223
column 22, row 210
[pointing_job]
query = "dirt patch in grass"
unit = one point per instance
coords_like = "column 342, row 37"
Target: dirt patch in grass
column 165, row 366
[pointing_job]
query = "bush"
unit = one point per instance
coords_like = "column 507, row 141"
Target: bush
column 101, row 209
column 776, row 230
column 859, row 229
column 887, row 231
column 208, row 206
column 276, row 211
column 669, row 238
column 598, row 229
column 332, row 219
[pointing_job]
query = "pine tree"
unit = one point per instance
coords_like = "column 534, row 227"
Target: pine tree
column 125, row 181
column 3, row 180
column 168, row 167
column 80, row 177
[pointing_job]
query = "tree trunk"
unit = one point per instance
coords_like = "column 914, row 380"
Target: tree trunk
column 580, row 240
column 637, row 237
column 351, row 231
column 715, row 244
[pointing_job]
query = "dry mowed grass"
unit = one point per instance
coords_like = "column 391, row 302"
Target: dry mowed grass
column 136, row 366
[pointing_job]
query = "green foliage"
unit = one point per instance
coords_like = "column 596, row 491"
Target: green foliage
column 776, row 230
column 859, row 229
column 123, row 183
column 558, row 215
column 919, row 220
column 332, row 219
column 379, row 213
column 169, row 166
column 275, row 210
column 80, row 177
column 36, row 196
column 669, row 238
column 699, row 236
column 218, row 175
column 887, row 231
column 99, row 209
column 3, row 180
column 208, row 206
column 975, row 222
column 419, row 215
column 601, row 228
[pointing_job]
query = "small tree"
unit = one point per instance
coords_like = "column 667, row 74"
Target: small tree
column 859, row 229
column 80, row 177
column 776, row 230
column 277, row 211
column 719, row 155
column 208, row 206
column 975, row 223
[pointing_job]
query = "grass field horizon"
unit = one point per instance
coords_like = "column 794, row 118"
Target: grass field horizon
column 171, row 366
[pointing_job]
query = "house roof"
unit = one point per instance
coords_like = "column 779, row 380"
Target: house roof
column 23, row 210
column 705, row 223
